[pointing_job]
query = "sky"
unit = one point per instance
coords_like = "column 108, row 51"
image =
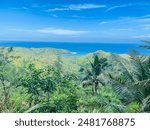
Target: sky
column 106, row 21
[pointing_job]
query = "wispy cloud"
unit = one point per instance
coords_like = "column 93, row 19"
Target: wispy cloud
column 132, row 27
column 20, row 30
column 85, row 6
column 77, row 16
column 146, row 27
column 116, row 21
column 103, row 22
column 56, row 9
column 61, row 31
column 53, row 15
column 143, row 20
column 55, row 31
column 76, row 7
column 142, row 36
column 118, row 6
column 126, row 5
column 146, row 16
column 128, row 20
column 122, row 29
column 22, row 8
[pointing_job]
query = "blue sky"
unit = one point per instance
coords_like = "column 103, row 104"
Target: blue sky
column 114, row 21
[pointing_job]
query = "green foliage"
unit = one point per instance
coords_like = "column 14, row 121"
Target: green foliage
column 7, row 76
column 146, row 104
column 91, row 75
column 105, row 101
column 138, row 90
column 133, row 107
column 30, row 79
column 18, row 101
column 64, row 99
column 51, row 87
column 147, row 46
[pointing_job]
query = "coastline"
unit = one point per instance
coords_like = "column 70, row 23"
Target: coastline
column 77, row 48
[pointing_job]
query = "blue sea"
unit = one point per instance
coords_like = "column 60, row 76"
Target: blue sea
column 81, row 48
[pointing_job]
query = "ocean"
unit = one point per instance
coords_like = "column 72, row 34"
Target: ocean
column 81, row 48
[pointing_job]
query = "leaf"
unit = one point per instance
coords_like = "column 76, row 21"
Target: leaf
column 37, row 107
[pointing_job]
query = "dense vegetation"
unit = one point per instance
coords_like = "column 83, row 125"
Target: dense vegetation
column 98, row 82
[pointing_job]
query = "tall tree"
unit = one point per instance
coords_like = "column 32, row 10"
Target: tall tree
column 92, row 74
column 6, row 68
column 138, row 89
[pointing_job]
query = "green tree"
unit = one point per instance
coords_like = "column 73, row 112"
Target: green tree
column 30, row 79
column 47, row 81
column 92, row 74
column 147, row 45
column 61, row 94
column 6, row 74
column 65, row 98
column 139, row 88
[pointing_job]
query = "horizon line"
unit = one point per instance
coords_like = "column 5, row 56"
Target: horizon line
column 70, row 41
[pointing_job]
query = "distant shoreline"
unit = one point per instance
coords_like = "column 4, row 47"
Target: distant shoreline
column 80, row 48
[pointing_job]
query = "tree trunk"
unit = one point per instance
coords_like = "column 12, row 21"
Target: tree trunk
column 6, row 93
column 48, row 95
column 95, row 89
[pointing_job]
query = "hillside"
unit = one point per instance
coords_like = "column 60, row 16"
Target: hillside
column 55, row 80
column 119, row 63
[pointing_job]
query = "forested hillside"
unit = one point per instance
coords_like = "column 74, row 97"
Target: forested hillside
column 47, row 80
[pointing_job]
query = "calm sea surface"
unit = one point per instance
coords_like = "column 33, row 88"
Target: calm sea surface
column 80, row 48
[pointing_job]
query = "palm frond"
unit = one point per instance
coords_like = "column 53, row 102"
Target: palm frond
column 129, row 91
column 146, row 46
column 38, row 106
column 146, row 104
column 144, row 83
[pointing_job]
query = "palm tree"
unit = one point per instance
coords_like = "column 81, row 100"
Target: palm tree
column 147, row 45
column 139, row 88
column 92, row 74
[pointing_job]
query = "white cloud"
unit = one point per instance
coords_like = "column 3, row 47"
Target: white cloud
column 22, row 8
column 146, row 16
column 85, row 6
column 57, row 9
column 77, row 16
column 77, row 7
column 134, row 21
column 103, row 22
column 131, row 27
column 20, row 30
column 53, row 15
column 51, row 31
column 143, row 20
column 119, row 21
column 146, row 27
column 122, row 29
column 25, row 8
column 119, row 6
column 126, row 5
column 61, row 31
column 142, row 36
